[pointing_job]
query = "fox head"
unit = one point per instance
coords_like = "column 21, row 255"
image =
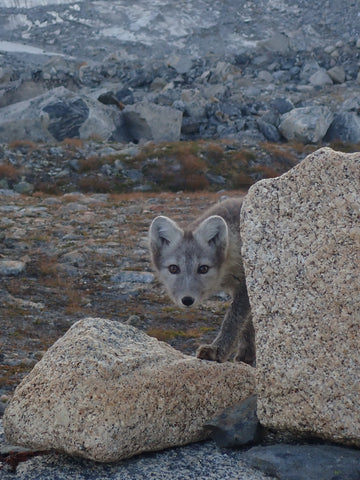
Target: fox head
column 189, row 262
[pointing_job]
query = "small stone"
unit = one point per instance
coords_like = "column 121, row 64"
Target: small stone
column 329, row 49
column 278, row 42
column 11, row 267
column 181, row 63
column 309, row 68
column 337, row 74
column 320, row 78
column 236, row 426
column 76, row 258
column 282, row 104
column 269, row 131
column 265, row 76
column 135, row 321
column 24, row 188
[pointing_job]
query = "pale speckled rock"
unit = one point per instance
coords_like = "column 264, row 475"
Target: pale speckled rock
column 301, row 247
column 107, row 391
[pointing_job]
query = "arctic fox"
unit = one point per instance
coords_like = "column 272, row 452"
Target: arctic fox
column 201, row 260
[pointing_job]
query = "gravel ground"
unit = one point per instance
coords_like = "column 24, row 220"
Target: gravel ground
column 201, row 461
column 86, row 255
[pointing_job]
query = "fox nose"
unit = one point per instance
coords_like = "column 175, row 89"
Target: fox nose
column 187, row 301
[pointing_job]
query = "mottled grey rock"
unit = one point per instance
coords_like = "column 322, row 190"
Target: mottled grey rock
column 24, row 187
column 306, row 462
column 306, row 124
column 351, row 104
column 278, row 42
column 222, row 72
column 77, row 258
column 56, row 115
column 20, row 90
column 148, row 121
column 181, row 63
column 265, row 76
column 107, row 391
column 337, row 74
column 194, row 103
column 309, row 68
column 236, row 426
column 282, row 104
column 269, row 131
column 345, row 127
column 320, row 78
column 301, row 249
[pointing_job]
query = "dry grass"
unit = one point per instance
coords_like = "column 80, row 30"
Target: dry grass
column 95, row 184
column 90, row 164
column 48, row 274
column 27, row 144
column 73, row 143
column 9, row 172
column 287, row 153
column 344, row 146
column 172, row 166
column 48, row 188
column 164, row 335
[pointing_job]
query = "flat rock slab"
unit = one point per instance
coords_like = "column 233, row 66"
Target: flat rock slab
column 106, row 391
column 306, row 462
column 301, row 248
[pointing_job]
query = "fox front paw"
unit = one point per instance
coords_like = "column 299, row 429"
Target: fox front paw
column 210, row 352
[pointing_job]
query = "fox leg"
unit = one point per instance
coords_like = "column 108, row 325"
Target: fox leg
column 246, row 346
column 236, row 334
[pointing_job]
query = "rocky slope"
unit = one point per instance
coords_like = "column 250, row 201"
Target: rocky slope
column 229, row 69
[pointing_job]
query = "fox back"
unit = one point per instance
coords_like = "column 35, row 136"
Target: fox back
column 202, row 259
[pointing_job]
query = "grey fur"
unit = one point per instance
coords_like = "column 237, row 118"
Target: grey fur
column 179, row 257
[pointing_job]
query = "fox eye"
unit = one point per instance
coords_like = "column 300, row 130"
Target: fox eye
column 203, row 269
column 174, row 269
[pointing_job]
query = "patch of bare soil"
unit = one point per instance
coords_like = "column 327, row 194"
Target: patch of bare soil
column 86, row 255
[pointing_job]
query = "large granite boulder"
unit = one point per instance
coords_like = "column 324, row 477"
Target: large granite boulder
column 107, row 391
column 301, row 248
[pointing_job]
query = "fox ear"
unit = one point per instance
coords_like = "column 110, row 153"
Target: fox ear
column 213, row 231
column 164, row 231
